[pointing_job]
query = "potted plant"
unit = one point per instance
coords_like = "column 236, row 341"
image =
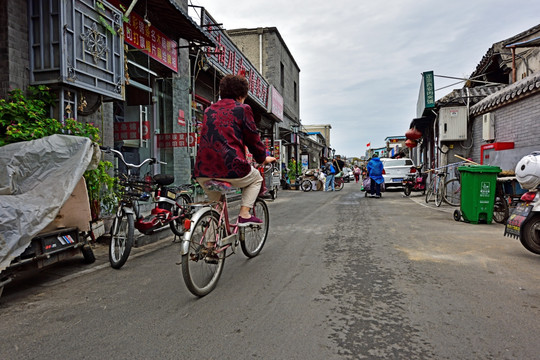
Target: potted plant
column 24, row 117
column 295, row 170
column 101, row 190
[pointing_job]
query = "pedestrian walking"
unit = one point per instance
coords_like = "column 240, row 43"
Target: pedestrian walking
column 330, row 172
column 338, row 164
column 375, row 169
column 356, row 172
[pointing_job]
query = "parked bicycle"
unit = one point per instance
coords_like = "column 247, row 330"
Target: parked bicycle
column 444, row 189
column 211, row 238
column 170, row 208
column 501, row 205
column 312, row 180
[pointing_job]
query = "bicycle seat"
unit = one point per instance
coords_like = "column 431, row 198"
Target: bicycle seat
column 217, row 185
column 163, row 179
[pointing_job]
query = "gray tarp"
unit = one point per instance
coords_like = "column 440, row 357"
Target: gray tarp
column 36, row 179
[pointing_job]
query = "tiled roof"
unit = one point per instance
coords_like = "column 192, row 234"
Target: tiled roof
column 495, row 50
column 510, row 93
column 474, row 95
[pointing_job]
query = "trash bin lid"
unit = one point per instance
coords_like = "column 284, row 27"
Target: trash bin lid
column 480, row 169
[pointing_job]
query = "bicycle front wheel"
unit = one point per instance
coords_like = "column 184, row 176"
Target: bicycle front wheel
column 255, row 235
column 453, row 192
column 122, row 233
column 429, row 193
column 182, row 202
column 439, row 193
column 202, row 265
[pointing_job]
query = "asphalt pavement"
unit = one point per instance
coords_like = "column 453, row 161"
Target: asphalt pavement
column 144, row 244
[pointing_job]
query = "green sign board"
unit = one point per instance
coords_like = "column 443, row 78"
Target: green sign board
column 426, row 97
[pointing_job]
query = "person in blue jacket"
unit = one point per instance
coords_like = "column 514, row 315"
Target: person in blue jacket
column 375, row 170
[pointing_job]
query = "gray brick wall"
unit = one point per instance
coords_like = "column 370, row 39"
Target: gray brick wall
column 181, row 100
column 518, row 122
column 14, row 58
column 274, row 53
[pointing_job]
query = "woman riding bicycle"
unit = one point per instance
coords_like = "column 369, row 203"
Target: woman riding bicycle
column 228, row 128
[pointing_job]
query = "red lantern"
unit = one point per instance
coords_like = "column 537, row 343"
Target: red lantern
column 413, row 134
column 411, row 143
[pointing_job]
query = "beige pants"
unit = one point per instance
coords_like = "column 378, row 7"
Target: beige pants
column 250, row 185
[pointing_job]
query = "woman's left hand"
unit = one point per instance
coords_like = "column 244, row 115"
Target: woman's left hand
column 268, row 160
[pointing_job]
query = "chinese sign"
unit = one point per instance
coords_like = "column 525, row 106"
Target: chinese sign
column 277, row 103
column 426, row 97
column 229, row 60
column 181, row 118
column 151, row 41
column 175, row 140
column 131, row 130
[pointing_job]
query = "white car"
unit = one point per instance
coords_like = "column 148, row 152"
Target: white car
column 348, row 174
column 395, row 170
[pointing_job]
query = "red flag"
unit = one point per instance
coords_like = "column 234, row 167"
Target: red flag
column 368, row 144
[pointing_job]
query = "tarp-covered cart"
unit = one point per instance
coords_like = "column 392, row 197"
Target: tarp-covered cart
column 44, row 207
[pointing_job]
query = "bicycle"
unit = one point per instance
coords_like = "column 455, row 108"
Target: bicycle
column 211, row 238
column 171, row 208
column 501, row 211
column 313, row 181
column 448, row 191
column 339, row 183
column 433, row 188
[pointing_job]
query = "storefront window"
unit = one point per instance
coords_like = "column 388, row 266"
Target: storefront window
column 164, row 121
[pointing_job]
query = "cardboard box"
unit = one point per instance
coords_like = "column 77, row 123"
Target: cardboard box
column 75, row 212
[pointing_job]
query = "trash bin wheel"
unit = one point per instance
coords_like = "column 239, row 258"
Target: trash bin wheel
column 457, row 215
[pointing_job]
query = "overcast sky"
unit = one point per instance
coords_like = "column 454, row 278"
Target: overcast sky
column 361, row 61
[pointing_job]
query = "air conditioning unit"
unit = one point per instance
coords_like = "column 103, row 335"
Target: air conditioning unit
column 488, row 127
column 453, row 123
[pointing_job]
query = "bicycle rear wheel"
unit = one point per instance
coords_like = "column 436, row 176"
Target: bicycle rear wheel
column 500, row 210
column 122, row 232
column 255, row 235
column 306, row 185
column 453, row 192
column 338, row 184
column 202, row 266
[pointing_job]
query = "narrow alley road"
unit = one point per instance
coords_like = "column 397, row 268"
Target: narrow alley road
column 342, row 276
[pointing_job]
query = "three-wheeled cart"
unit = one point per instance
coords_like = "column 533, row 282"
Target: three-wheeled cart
column 45, row 215
column 272, row 180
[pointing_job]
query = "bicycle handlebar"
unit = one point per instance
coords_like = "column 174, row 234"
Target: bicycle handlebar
column 151, row 161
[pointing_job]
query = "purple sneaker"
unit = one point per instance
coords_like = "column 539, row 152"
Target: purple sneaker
column 251, row 221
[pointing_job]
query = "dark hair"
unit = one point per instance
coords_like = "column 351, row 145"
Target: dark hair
column 233, row 87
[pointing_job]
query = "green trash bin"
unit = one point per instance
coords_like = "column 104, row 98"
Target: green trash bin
column 478, row 184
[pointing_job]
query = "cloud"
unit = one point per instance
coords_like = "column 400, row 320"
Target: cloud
column 361, row 61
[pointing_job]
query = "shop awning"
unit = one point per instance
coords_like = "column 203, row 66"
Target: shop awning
column 170, row 19
column 421, row 123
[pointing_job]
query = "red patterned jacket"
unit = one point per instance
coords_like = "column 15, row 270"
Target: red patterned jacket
column 228, row 126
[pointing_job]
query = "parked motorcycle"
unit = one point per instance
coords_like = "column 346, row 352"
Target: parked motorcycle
column 524, row 221
column 415, row 181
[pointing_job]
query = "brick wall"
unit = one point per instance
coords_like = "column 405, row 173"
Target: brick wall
column 181, row 100
column 14, row 58
column 518, row 122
